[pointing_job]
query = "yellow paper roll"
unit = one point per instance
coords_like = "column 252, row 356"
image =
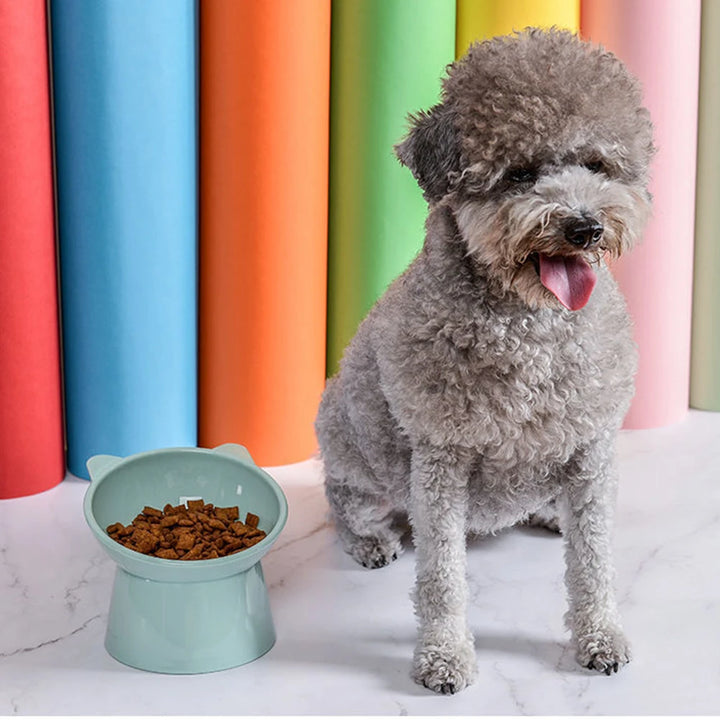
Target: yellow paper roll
column 479, row 19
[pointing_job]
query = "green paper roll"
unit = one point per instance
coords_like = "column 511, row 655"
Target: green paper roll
column 387, row 60
column 705, row 348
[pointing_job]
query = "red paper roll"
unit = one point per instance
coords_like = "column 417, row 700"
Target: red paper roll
column 31, row 438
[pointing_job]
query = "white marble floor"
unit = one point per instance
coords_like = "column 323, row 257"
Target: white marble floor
column 345, row 634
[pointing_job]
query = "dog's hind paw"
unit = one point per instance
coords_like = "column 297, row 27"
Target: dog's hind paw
column 445, row 668
column 374, row 553
column 549, row 522
column 604, row 651
column 545, row 517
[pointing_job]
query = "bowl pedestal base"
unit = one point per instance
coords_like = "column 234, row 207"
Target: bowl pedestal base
column 189, row 627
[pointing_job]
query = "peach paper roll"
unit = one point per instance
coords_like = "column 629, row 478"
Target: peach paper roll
column 480, row 19
column 264, row 117
column 31, row 434
column 660, row 40
column 705, row 355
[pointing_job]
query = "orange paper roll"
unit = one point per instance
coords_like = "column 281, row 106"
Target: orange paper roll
column 264, row 79
column 31, row 436
column 659, row 40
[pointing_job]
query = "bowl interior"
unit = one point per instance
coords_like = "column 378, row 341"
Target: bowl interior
column 173, row 476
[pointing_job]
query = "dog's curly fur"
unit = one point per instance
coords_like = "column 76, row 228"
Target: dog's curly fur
column 470, row 399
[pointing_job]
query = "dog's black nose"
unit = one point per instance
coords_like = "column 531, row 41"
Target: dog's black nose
column 583, row 232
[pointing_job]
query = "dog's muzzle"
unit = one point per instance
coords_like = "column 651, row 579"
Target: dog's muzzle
column 584, row 232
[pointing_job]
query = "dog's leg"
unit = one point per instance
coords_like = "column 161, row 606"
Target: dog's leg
column 586, row 514
column 445, row 655
column 369, row 527
column 367, row 503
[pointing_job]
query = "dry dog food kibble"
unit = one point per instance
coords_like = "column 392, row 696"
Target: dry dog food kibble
column 199, row 531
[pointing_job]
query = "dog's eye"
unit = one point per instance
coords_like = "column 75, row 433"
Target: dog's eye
column 522, row 175
column 596, row 166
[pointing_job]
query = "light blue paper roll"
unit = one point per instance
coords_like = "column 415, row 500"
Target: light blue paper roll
column 124, row 74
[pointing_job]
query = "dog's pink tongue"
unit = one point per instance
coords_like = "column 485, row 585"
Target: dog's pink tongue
column 570, row 279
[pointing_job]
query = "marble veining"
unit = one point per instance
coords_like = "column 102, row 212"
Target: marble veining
column 346, row 634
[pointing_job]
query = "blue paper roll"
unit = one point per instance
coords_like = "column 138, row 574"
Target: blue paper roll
column 124, row 74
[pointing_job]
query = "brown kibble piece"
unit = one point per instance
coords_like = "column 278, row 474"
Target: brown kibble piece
column 195, row 553
column 144, row 541
column 228, row 514
column 167, row 554
column 115, row 528
column 240, row 529
column 170, row 520
column 152, row 512
column 195, row 505
column 252, row 520
column 185, row 541
column 250, row 541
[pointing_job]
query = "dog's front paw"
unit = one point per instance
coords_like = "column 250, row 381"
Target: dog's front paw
column 373, row 552
column 445, row 667
column 605, row 650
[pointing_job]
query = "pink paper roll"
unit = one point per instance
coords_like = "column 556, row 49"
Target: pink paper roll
column 660, row 42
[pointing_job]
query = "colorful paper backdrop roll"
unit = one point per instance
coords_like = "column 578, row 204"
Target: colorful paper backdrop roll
column 659, row 41
column 265, row 81
column 705, row 355
column 125, row 122
column 479, row 19
column 387, row 60
column 31, row 436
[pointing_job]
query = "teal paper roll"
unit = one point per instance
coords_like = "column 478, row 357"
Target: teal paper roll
column 388, row 57
column 124, row 78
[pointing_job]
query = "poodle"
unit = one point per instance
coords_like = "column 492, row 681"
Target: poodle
column 487, row 385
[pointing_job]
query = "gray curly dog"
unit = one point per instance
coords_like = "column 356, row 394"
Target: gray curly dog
column 488, row 384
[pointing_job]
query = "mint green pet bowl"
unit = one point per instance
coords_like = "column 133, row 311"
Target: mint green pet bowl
column 192, row 616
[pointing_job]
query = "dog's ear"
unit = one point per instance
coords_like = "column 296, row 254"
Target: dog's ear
column 432, row 151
